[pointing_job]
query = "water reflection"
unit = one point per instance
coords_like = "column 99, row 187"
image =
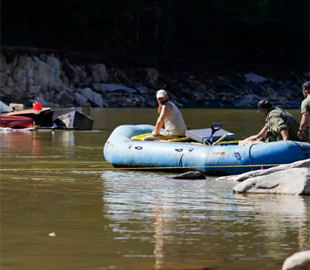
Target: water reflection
column 282, row 211
column 64, row 138
column 20, row 142
column 30, row 142
column 175, row 216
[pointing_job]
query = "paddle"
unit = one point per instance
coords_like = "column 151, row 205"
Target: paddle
column 215, row 127
column 220, row 139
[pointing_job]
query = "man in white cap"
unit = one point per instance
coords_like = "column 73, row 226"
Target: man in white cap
column 170, row 117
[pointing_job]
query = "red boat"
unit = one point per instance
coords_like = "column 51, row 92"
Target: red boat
column 15, row 121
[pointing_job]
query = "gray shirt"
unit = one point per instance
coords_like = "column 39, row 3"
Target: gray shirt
column 305, row 105
column 174, row 122
column 278, row 119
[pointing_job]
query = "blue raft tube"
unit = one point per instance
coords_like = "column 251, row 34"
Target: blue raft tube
column 225, row 159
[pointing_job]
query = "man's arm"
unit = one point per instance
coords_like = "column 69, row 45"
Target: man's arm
column 166, row 109
column 260, row 134
column 284, row 134
column 303, row 125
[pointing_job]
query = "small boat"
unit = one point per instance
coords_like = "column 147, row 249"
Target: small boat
column 72, row 118
column 47, row 118
column 7, row 121
column 12, row 121
column 41, row 117
column 219, row 159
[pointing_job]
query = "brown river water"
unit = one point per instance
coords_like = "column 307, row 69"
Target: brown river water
column 64, row 207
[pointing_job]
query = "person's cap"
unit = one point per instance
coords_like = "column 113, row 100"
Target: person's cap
column 161, row 93
column 263, row 104
column 306, row 86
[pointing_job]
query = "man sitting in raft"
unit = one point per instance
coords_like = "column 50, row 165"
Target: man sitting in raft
column 170, row 117
column 280, row 125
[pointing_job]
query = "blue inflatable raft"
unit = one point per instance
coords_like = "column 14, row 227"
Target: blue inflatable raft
column 121, row 151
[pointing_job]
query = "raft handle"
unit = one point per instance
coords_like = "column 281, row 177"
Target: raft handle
column 237, row 155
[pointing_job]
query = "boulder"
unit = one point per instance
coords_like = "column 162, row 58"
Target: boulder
column 99, row 73
column 241, row 177
column 64, row 98
column 3, row 63
column 4, row 78
column 252, row 77
column 298, row 261
column 54, row 64
column 43, row 102
column 111, row 87
column 87, row 92
column 295, row 181
column 80, row 99
column 191, row 175
column 151, row 78
column 98, row 100
column 93, row 97
column 247, row 101
column 44, row 74
column 34, row 89
column 69, row 72
column 293, row 178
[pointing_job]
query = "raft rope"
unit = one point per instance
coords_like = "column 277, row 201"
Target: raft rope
column 138, row 168
column 250, row 160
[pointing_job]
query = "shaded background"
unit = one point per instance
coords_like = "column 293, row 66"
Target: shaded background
column 192, row 31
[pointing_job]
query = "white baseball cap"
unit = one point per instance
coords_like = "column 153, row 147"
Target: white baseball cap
column 161, row 93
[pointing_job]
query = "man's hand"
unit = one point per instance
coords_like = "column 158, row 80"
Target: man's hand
column 154, row 133
column 300, row 134
column 252, row 138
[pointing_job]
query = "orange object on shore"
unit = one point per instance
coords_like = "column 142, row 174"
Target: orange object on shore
column 37, row 106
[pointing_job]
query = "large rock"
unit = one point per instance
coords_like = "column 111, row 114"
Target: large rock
column 151, row 78
column 112, row 87
column 247, row 101
column 4, row 78
column 3, row 63
column 191, row 175
column 54, row 64
column 99, row 73
column 64, row 98
column 293, row 178
column 70, row 75
column 80, row 99
column 93, row 97
column 298, row 261
column 252, row 77
column 241, row 177
column 44, row 74
column 294, row 181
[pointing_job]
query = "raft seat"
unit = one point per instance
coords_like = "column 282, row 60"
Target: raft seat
column 142, row 136
column 181, row 139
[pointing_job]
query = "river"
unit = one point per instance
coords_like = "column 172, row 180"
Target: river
column 64, row 207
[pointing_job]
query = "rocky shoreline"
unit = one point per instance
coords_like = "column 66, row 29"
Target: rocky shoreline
column 61, row 80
